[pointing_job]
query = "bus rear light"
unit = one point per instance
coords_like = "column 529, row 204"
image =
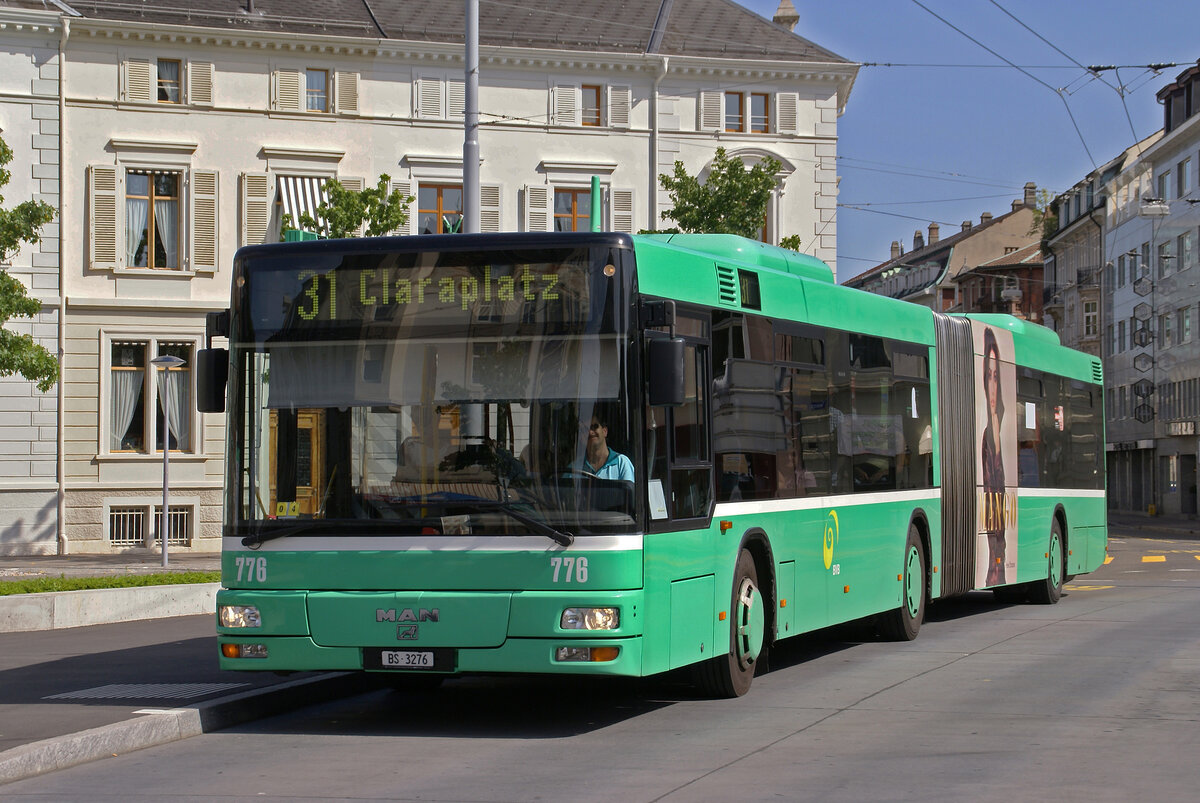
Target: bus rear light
column 244, row 650
column 587, row 654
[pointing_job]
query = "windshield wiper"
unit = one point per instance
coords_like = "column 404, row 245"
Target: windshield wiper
column 261, row 537
column 560, row 537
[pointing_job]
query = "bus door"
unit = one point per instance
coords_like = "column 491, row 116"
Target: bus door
column 297, row 462
column 678, row 448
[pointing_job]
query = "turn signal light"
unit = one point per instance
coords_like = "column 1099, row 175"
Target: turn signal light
column 244, row 650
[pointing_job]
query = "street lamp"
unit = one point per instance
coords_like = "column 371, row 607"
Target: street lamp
column 164, row 363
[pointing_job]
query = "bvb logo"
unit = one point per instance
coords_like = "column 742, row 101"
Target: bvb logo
column 831, row 537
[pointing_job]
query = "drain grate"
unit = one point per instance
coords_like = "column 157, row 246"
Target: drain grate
column 146, row 691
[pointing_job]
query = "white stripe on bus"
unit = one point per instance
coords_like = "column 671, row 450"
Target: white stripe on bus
column 822, row 502
column 1075, row 493
column 436, row 543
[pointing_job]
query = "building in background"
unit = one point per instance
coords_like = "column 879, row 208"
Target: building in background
column 187, row 132
column 927, row 274
column 1010, row 284
column 30, row 493
column 1153, row 374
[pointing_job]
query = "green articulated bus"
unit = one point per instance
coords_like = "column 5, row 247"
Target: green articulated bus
column 604, row 454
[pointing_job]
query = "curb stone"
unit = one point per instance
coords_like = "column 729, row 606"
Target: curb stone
column 170, row 725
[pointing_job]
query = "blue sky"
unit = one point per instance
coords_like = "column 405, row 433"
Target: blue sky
column 947, row 143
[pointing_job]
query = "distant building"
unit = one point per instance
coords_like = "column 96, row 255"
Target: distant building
column 927, row 274
column 188, row 130
column 1009, row 284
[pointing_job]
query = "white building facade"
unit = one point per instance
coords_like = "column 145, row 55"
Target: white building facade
column 185, row 138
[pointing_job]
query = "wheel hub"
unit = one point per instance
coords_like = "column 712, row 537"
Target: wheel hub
column 751, row 623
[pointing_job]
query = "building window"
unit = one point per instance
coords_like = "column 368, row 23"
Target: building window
column 1166, row 255
column 1121, row 271
column 1183, row 325
column 1164, row 330
column 1164, row 187
column 135, row 401
column 316, row 90
column 152, row 219
column 1091, row 319
column 439, row 209
column 168, row 81
column 760, row 112
column 590, row 109
column 1120, row 336
column 1183, row 178
column 735, row 111
column 572, row 210
column 1186, row 249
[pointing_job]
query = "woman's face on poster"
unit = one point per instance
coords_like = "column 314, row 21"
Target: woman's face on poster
column 991, row 380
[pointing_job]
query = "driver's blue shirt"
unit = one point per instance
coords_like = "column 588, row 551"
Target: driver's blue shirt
column 616, row 467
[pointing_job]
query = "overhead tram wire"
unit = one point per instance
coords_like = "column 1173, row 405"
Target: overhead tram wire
column 1020, row 69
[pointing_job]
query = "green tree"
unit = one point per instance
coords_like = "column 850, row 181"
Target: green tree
column 1045, row 222
column 19, row 354
column 792, row 242
column 344, row 210
column 732, row 200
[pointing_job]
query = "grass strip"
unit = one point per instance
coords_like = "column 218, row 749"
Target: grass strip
column 38, row 585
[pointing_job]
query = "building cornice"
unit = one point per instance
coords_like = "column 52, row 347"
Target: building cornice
column 309, row 154
column 29, row 21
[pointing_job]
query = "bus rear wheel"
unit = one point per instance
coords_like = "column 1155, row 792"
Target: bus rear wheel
column 1049, row 591
column 730, row 675
column 903, row 623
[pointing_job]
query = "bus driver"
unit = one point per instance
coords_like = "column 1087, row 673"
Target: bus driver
column 601, row 461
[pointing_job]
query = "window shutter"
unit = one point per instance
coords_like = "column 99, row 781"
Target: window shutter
column 289, row 90
column 537, row 207
column 621, row 210
column 786, row 114
column 566, row 103
column 102, row 217
column 256, row 207
column 346, row 92
column 354, row 185
column 618, row 106
column 489, row 207
column 456, row 99
column 200, row 83
column 407, row 189
column 139, row 81
column 710, row 112
column 427, row 99
column 204, row 220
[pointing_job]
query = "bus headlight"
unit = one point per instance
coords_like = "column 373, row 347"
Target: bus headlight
column 239, row 616
column 590, row 619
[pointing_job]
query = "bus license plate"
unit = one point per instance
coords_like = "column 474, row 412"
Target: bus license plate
column 406, row 659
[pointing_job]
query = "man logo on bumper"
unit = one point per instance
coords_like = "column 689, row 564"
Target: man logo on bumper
column 406, row 619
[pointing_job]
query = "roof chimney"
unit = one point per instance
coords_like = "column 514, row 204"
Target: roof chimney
column 895, row 249
column 1017, row 205
column 786, row 15
column 918, row 240
column 1030, row 194
column 934, row 235
column 985, row 218
column 966, row 225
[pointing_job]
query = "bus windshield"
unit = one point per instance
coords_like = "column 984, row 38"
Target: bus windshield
column 431, row 392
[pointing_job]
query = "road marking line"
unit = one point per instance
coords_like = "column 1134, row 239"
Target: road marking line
column 1154, row 558
column 1109, row 559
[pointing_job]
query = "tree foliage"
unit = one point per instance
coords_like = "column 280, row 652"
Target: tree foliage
column 344, row 210
column 22, row 224
column 732, row 200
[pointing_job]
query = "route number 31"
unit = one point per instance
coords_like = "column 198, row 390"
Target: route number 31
column 571, row 570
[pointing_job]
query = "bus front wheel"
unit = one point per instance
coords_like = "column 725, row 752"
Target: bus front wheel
column 904, row 622
column 1049, row 591
column 730, row 675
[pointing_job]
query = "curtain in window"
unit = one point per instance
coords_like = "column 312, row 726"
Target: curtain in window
column 126, row 390
column 136, row 212
column 166, row 220
column 178, row 388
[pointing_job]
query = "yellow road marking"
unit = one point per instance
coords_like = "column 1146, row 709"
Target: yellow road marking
column 1074, row 587
column 1154, row 558
column 1109, row 559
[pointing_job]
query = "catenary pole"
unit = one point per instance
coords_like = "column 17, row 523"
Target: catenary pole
column 471, row 123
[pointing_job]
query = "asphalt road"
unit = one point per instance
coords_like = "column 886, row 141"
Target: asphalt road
column 1096, row 698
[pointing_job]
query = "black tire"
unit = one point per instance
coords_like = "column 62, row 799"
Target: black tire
column 730, row 675
column 903, row 623
column 1049, row 591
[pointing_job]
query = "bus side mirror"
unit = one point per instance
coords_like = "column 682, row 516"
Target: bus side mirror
column 666, row 372
column 212, row 370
